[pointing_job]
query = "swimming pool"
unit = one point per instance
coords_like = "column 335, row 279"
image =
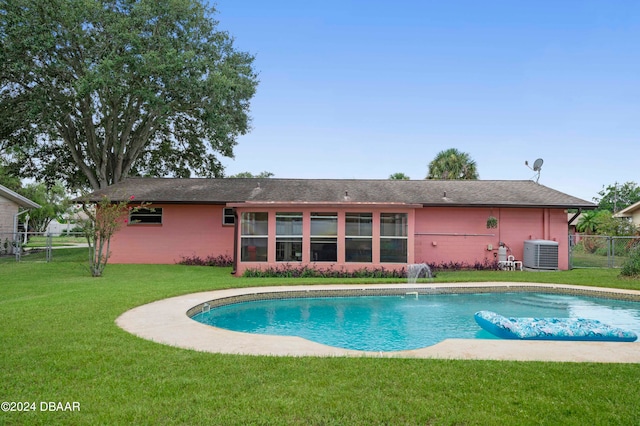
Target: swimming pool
column 407, row 321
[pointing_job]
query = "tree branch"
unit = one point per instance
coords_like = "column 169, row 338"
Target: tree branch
column 69, row 136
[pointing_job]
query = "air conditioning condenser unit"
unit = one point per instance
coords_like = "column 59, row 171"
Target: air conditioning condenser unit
column 540, row 254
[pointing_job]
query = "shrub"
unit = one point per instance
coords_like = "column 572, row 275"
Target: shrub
column 631, row 267
column 289, row 271
column 76, row 230
column 221, row 260
column 485, row 265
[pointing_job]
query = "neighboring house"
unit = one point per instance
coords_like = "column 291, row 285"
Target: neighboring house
column 71, row 225
column 12, row 207
column 632, row 212
column 338, row 224
column 573, row 220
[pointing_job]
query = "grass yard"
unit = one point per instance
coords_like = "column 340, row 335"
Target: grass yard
column 60, row 344
column 60, row 241
column 589, row 260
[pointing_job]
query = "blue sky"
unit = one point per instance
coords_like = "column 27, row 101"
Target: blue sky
column 364, row 89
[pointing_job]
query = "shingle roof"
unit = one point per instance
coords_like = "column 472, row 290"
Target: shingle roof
column 494, row 193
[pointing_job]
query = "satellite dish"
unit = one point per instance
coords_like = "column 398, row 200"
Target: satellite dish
column 537, row 164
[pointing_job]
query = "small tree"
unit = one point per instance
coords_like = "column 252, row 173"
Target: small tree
column 588, row 222
column 53, row 201
column 103, row 220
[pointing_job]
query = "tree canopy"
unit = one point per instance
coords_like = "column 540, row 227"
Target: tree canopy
column 92, row 91
column 452, row 164
column 602, row 222
column 617, row 197
column 8, row 180
column 53, row 201
column 250, row 175
column 399, row 176
column 588, row 222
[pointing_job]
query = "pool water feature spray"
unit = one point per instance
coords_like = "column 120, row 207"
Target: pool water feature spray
column 418, row 270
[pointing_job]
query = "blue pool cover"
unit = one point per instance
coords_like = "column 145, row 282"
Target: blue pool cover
column 551, row 328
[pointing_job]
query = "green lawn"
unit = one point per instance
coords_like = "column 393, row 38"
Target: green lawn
column 60, row 344
column 589, row 260
column 61, row 241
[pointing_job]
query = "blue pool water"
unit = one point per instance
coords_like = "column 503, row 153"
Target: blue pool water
column 394, row 323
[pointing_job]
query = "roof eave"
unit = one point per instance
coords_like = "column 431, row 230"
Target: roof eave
column 18, row 199
column 323, row 204
column 628, row 211
column 502, row 205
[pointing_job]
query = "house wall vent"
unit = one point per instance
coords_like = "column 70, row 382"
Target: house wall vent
column 540, row 254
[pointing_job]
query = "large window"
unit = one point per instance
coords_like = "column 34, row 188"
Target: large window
column 324, row 237
column 393, row 237
column 288, row 237
column 145, row 216
column 254, row 235
column 358, row 237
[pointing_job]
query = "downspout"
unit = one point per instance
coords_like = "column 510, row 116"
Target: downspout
column 15, row 223
column 546, row 224
column 15, row 231
column 574, row 217
column 235, row 242
column 26, row 229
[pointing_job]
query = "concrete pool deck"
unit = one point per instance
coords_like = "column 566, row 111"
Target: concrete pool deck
column 166, row 322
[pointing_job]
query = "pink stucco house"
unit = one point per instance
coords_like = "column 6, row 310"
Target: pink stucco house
column 339, row 224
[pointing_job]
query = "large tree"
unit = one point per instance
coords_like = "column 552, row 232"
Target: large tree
column 92, row 91
column 618, row 196
column 452, row 164
column 9, row 180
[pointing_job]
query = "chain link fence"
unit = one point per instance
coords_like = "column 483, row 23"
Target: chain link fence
column 37, row 246
column 585, row 251
column 599, row 251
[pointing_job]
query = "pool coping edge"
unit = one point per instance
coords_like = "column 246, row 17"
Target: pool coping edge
column 166, row 321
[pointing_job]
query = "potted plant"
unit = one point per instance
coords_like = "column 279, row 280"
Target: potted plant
column 492, row 222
